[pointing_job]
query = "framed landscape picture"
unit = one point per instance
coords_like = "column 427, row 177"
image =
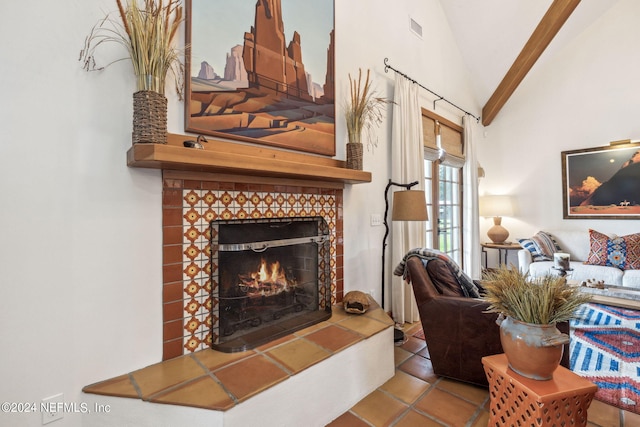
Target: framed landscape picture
column 262, row 71
column 602, row 182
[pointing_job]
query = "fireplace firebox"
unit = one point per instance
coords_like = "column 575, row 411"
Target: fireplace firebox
column 271, row 277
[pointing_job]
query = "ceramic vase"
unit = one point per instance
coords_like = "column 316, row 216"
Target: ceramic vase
column 533, row 351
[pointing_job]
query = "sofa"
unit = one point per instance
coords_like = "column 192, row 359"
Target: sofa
column 457, row 330
column 594, row 256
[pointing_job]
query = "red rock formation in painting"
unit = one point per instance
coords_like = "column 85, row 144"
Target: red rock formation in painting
column 234, row 68
column 270, row 64
column 329, row 83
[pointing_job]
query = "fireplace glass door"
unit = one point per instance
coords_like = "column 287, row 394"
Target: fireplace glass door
column 270, row 278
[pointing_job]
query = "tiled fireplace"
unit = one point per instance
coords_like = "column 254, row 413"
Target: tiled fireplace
column 191, row 201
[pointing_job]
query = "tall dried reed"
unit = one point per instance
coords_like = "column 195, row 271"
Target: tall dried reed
column 147, row 33
column 540, row 301
column 363, row 110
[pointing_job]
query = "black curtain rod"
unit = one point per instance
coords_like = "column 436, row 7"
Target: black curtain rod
column 440, row 98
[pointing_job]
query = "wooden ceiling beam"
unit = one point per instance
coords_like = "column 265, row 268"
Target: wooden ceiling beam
column 551, row 22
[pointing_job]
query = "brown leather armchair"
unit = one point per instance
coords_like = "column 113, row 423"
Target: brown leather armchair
column 457, row 331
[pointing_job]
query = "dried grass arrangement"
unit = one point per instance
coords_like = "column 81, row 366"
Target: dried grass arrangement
column 363, row 110
column 541, row 301
column 147, row 32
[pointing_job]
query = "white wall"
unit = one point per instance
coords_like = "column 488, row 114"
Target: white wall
column 367, row 32
column 587, row 95
column 80, row 233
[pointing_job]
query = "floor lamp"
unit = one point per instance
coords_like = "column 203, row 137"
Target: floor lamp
column 408, row 205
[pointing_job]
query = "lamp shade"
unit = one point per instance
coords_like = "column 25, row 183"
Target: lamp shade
column 491, row 206
column 409, row 205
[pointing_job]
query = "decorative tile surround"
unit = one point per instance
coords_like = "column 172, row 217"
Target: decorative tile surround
column 189, row 203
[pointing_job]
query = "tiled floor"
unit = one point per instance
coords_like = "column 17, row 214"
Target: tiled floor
column 416, row 397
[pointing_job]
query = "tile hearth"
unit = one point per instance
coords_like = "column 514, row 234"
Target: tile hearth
column 219, row 381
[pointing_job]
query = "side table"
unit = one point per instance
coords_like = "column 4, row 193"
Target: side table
column 506, row 247
column 517, row 400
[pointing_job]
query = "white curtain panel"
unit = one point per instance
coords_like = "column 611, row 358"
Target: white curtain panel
column 407, row 165
column 470, row 217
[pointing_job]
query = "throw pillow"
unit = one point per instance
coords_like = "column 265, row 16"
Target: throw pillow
column 546, row 244
column 542, row 246
column 622, row 252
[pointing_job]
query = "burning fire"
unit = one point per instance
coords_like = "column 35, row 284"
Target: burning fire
column 270, row 279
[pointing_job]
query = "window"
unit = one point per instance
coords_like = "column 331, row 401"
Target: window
column 443, row 161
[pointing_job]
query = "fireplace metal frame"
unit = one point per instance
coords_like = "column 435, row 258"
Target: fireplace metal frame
column 276, row 328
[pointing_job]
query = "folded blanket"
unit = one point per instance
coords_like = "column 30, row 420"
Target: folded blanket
column 467, row 285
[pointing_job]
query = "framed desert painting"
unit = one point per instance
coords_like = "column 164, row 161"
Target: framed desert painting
column 262, row 71
column 602, row 182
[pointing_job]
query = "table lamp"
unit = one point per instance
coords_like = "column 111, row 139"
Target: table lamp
column 496, row 207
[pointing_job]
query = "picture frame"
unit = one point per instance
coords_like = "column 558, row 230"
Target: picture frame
column 262, row 76
column 602, row 182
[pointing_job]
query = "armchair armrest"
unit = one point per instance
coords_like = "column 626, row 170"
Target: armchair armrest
column 524, row 260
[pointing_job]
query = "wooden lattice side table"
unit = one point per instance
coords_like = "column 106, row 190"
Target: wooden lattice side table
column 519, row 401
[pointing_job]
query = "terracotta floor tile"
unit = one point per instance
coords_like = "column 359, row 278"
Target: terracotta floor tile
column 333, row 338
column 274, row 343
column 204, row 393
column 405, row 387
column 299, row 354
column 363, row 325
column 347, row 420
column 159, row 377
column 400, row 355
column 250, row 376
column 603, row 415
column 412, row 328
column 414, row 419
column 338, row 314
column 473, row 394
column 424, row 353
column 379, row 409
column 119, row 386
column 380, row 315
column 419, row 367
column 482, row 420
column 447, row 408
column 213, row 359
column 631, row 419
column 413, row 344
column 312, row 328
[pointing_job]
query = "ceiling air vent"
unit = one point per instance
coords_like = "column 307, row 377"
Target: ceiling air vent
column 416, row 28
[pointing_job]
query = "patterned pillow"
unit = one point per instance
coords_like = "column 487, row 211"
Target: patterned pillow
column 622, row 252
column 542, row 246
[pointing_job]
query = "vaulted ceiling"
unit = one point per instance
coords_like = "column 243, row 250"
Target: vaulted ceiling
column 501, row 41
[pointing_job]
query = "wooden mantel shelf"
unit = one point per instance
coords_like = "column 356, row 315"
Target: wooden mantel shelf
column 239, row 159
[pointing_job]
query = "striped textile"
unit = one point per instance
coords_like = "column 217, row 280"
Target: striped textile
column 542, row 246
column 605, row 348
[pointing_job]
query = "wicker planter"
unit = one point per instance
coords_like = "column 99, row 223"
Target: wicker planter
column 149, row 117
column 354, row 155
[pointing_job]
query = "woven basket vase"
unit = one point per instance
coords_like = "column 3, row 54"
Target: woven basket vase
column 354, row 155
column 149, row 117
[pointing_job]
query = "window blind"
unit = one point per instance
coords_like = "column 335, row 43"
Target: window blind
column 451, row 143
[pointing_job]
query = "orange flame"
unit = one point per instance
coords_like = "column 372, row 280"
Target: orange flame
column 270, row 279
